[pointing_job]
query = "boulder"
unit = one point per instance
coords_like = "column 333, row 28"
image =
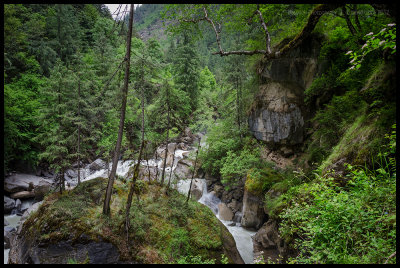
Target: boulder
column 97, row 165
column 235, row 205
column 224, row 212
column 253, row 212
column 18, row 204
column 218, row 190
column 183, row 170
column 268, row 243
column 41, row 190
column 197, row 188
column 23, row 195
column 23, row 182
column 9, row 204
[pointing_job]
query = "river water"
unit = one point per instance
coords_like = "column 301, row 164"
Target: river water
column 243, row 237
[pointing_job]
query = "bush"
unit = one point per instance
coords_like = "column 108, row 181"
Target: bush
column 355, row 224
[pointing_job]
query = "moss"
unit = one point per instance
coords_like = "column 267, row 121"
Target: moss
column 164, row 229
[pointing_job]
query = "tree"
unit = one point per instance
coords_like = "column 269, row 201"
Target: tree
column 106, row 207
column 54, row 134
column 186, row 70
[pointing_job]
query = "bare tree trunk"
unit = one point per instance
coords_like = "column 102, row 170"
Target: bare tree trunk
column 166, row 146
column 79, row 130
column 348, row 21
column 136, row 172
column 170, row 174
column 156, row 165
column 106, row 207
column 194, row 171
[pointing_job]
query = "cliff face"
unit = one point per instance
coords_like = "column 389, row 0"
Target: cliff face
column 278, row 114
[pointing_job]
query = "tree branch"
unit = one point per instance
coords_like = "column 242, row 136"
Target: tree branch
column 267, row 36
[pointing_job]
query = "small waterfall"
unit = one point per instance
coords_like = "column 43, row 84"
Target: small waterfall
column 243, row 237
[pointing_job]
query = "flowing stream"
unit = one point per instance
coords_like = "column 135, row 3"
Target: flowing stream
column 243, row 237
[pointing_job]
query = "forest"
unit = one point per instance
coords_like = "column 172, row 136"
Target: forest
column 200, row 133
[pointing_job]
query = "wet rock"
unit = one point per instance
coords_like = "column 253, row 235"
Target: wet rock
column 30, row 210
column 9, row 204
column 238, row 216
column 235, row 205
column 41, row 190
column 8, row 233
column 183, row 169
column 97, row 165
column 197, row 188
column 23, row 182
column 253, row 212
column 224, row 212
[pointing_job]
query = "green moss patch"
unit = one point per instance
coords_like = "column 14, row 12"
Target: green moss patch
column 164, row 229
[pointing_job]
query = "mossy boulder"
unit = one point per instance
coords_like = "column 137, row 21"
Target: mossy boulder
column 70, row 228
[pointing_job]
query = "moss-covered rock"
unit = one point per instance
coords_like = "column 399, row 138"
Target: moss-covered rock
column 70, row 228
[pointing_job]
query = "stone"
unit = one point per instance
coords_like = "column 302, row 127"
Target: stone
column 235, row 205
column 268, row 243
column 253, row 212
column 8, row 233
column 9, row 204
column 183, row 170
column 224, row 212
column 238, row 216
column 197, row 188
column 41, row 190
column 30, row 210
column 97, row 164
column 218, row 190
column 22, row 182
column 23, row 195
column 18, row 204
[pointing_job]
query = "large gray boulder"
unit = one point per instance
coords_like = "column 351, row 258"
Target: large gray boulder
column 23, row 182
column 9, row 204
column 97, row 164
column 253, row 212
column 224, row 212
column 183, row 170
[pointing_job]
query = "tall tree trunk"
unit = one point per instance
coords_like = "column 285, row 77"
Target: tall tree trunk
column 79, row 130
column 348, row 21
column 170, row 174
column 194, row 171
column 166, row 142
column 107, row 199
column 136, row 169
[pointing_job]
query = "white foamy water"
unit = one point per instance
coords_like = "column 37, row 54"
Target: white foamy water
column 243, row 237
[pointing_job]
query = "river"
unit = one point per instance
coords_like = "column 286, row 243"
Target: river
column 243, row 237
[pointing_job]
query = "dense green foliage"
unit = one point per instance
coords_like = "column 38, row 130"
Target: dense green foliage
column 63, row 74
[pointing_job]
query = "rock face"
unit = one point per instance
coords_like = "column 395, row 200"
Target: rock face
column 253, row 212
column 268, row 243
column 278, row 114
